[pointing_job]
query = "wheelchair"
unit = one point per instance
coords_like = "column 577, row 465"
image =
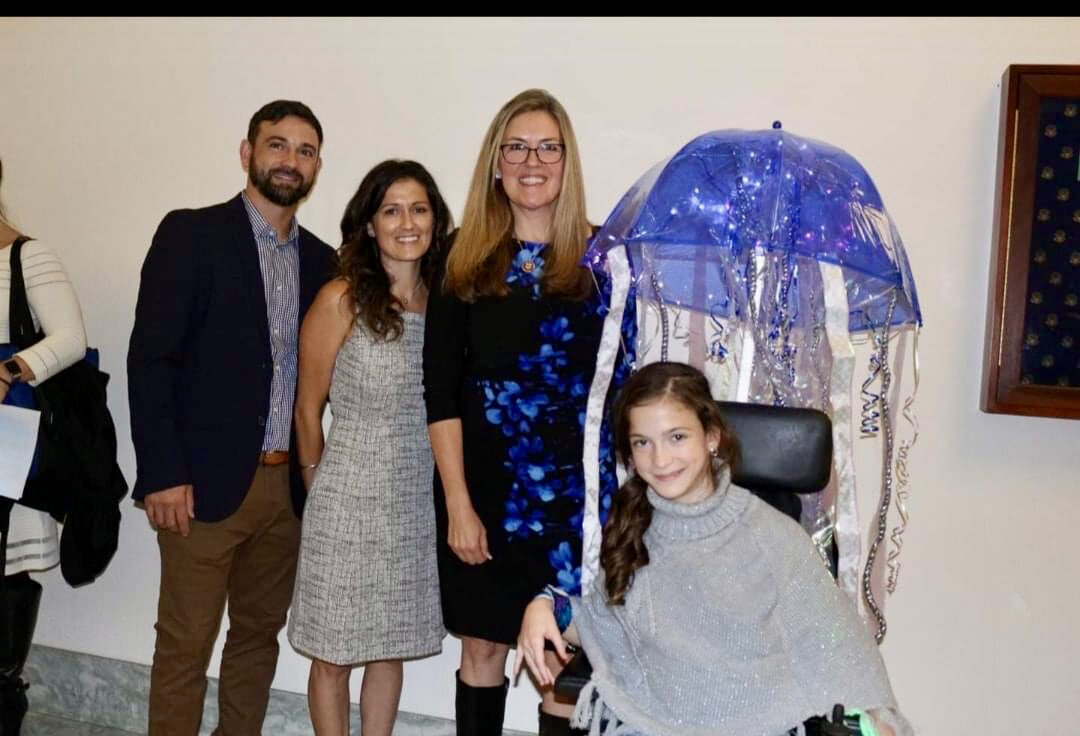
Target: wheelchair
column 782, row 451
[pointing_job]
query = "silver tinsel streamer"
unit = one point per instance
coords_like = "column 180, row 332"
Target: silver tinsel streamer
column 869, row 416
column 903, row 452
column 882, row 341
column 717, row 351
column 622, row 337
column 664, row 335
column 774, row 347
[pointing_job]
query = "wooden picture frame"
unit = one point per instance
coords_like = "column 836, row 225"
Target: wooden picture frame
column 1031, row 361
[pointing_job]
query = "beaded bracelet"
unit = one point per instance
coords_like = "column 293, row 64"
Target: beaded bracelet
column 560, row 602
column 564, row 612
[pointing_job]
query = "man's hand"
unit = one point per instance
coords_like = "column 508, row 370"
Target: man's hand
column 171, row 509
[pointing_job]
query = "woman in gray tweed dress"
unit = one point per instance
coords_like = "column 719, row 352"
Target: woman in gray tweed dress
column 367, row 591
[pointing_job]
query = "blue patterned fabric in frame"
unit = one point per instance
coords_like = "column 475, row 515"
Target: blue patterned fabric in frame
column 1050, row 353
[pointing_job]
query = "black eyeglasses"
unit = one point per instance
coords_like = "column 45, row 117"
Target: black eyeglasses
column 548, row 152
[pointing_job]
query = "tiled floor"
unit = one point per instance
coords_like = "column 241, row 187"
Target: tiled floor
column 37, row 724
column 72, row 693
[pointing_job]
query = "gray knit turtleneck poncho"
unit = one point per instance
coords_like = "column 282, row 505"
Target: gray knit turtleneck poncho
column 734, row 627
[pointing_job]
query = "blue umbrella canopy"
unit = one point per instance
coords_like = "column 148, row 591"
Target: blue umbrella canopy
column 737, row 225
column 693, row 223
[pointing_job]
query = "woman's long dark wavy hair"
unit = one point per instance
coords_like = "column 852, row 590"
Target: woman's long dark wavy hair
column 622, row 550
column 358, row 258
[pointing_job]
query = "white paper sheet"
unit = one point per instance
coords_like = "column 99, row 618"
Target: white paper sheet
column 18, row 437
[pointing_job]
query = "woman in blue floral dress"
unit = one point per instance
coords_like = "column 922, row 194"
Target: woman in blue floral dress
column 510, row 347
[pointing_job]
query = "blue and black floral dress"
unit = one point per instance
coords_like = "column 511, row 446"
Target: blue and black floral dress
column 517, row 371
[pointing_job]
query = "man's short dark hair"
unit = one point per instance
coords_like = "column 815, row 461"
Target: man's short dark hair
column 274, row 111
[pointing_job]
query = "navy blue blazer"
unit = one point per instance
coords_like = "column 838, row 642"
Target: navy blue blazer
column 199, row 361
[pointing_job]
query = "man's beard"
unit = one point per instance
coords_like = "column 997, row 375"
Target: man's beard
column 283, row 194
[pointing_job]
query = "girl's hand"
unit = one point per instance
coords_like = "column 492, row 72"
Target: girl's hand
column 466, row 535
column 538, row 626
column 883, row 729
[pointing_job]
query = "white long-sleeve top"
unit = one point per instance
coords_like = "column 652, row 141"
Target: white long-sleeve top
column 53, row 306
column 32, row 539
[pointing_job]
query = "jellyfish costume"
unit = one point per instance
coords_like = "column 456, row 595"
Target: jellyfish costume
column 758, row 256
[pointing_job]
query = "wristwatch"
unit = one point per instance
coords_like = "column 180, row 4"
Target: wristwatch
column 12, row 367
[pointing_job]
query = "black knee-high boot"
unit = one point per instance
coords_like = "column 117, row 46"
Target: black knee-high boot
column 555, row 725
column 19, row 597
column 479, row 710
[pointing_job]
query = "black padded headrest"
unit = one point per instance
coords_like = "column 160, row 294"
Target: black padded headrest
column 780, row 448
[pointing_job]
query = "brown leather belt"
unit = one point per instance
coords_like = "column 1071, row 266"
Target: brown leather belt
column 273, row 457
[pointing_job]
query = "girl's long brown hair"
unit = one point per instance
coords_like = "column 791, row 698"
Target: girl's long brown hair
column 482, row 250
column 623, row 550
column 359, row 262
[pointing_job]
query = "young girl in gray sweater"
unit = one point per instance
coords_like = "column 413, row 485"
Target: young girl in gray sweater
column 713, row 613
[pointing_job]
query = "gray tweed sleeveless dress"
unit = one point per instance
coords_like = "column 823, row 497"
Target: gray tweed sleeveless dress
column 366, row 581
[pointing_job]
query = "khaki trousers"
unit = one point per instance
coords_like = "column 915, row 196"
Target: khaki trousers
column 249, row 560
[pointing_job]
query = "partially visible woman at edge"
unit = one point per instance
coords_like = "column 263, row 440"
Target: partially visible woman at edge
column 366, row 587
column 510, row 348
column 32, row 540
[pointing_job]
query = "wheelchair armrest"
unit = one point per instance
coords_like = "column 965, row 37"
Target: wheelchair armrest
column 574, row 676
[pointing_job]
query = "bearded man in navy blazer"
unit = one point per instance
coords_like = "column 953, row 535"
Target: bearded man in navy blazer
column 211, row 379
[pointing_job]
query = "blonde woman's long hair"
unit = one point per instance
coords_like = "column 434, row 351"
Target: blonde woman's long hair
column 4, row 222
column 480, row 257
column 3, row 218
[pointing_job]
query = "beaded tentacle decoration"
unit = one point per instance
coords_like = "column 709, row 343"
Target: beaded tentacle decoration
column 881, row 339
column 903, row 455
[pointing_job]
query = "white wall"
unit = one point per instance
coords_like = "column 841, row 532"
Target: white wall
column 107, row 124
